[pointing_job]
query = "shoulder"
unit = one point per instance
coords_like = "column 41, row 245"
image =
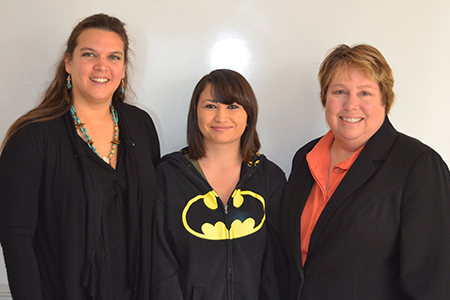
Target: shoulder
column 130, row 113
column 269, row 166
column 172, row 160
column 300, row 155
column 137, row 123
column 412, row 144
column 36, row 138
column 41, row 130
column 414, row 150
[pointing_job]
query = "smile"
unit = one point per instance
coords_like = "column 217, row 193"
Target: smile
column 217, row 128
column 351, row 120
column 99, row 80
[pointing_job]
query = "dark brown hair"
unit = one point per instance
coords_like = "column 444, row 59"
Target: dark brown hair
column 227, row 87
column 57, row 98
column 362, row 57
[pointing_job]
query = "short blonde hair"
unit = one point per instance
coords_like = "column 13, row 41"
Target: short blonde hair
column 362, row 57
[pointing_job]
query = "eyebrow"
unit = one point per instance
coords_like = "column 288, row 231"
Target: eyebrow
column 210, row 100
column 93, row 50
column 359, row 86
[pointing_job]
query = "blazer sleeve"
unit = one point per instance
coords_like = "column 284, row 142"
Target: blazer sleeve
column 425, row 230
column 166, row 268
column 20, row 179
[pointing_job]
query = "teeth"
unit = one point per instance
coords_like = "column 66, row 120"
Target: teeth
column 352, row 120
column 100, row 80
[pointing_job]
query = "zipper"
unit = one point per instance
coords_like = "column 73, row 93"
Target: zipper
column 229, row 246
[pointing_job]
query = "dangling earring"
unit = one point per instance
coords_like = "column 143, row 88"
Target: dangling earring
column 122, row 84
column 69, row 84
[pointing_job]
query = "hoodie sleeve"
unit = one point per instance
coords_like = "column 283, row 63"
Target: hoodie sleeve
column 275, row 263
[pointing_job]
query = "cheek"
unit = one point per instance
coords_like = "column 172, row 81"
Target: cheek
column 81, row 68
column 331, row 108
column 120, row 71
column 202, row 119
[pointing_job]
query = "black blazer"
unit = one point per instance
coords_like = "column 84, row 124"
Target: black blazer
column 385, row 232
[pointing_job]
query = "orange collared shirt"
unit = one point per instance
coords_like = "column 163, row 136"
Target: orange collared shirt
column 319, row 164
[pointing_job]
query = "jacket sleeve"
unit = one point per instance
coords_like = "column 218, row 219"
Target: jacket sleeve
column 425, row 230
column 166, row 268
column 274, row 272
column 20, row 179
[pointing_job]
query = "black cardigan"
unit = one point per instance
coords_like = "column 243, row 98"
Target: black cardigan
column 50, row 208
column 385, row 232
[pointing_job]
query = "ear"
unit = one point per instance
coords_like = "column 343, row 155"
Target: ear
column 68, row 63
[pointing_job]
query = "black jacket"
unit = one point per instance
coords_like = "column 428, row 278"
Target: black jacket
column 50, row 208
column 197, row 255
column 385, row 232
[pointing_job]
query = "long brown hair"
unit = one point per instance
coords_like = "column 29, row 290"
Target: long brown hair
column 227, row 87
column 57, row 98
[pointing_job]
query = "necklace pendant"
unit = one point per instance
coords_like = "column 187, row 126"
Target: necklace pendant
column 106, row 159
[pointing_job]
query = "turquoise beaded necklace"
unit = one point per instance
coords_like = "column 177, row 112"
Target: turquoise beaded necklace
column 90, row 142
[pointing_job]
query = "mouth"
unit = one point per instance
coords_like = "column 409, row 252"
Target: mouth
column 351, row 120
column 99, row 80
column 219, row 128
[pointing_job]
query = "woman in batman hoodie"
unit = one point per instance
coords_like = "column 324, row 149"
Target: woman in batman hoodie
column 217, row 212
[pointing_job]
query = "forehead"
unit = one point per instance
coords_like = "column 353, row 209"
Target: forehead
column 93, row 37
column 352, row 74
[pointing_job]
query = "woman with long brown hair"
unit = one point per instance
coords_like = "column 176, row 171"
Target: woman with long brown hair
column 217, row 211
column 77, row 178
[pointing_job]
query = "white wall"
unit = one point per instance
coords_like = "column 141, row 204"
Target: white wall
column 277, row 45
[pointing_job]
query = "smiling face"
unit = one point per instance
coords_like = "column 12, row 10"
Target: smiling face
column 96, row 66
column 354, row 108
column 220, row 123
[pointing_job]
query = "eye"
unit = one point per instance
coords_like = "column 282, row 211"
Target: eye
column 88, row 54
column 115, row 57
column 364, row 93
column 339, row 92
column 210, row 106
column 234, row 106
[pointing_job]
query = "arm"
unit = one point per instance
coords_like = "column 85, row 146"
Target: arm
column 20, row 179
column 153, row 137
column 274, row 273
column 425, row 230
column 166, row 268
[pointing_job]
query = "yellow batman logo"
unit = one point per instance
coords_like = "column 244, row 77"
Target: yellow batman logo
column 218, row 230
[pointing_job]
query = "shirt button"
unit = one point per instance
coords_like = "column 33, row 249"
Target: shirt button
column 336, row 170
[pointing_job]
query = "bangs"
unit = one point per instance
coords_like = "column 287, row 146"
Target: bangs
column 228, row 94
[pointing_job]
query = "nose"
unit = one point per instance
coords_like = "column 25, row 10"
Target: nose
column 221, row 113
column 351, row 102
column 101, row 64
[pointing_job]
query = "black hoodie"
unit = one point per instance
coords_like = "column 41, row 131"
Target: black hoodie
column 207, row 250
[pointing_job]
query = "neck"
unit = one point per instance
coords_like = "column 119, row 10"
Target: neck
column 93, row 112
column 225, row 155
column 340, row 153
